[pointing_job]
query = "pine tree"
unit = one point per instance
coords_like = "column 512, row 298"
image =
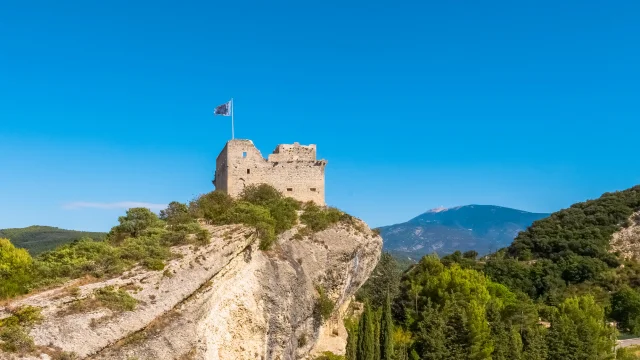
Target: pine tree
column 431, row 339
column 386, row 331
column 366, row 335
column 534, row 341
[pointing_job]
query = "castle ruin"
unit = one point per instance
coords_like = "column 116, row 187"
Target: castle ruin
column 292, row 169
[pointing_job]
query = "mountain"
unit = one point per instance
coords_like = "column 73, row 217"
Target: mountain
column 38, row 239
column 483, row 228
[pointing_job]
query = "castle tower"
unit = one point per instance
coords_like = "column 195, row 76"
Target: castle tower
column 292, row 169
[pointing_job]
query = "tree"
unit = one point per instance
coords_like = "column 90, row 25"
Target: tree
column 366, row 337
column 431, row 339
column 480, row 333
column 352, row 340
column 134, row 223
column 534, row 343
column 579, row 331
column 15, row 268
column 402, row 340
column 385, row 279
column 176, row 213
column 471, row 254
column 386, row 331
column 625, row 308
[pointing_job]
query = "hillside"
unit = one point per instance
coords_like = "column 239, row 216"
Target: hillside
column 483, row 228
column 586, row 248
column 262, row 276
column 38, row 239
column 223, row 300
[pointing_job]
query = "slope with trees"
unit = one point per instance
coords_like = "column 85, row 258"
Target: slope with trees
column 38, row 239
column 557, row 292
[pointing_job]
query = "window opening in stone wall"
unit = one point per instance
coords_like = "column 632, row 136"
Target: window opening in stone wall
column 248, row 171
column 244, row 154
column 289, row 189
column 313, row 189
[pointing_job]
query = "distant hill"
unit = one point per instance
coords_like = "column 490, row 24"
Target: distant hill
column 483, row 228
column 38, row 239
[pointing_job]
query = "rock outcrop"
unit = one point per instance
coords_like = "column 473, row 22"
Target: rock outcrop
column 226, row 300
column 627, row 240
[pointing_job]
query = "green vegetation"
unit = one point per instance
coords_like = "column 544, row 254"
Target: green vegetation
column 116, row 300
column 366, row 336
column 318, row 219
column 14, row 329
column 38, row 239
column 328, row 355
column 446, row 311
column 386, row 331
column 551, row 295
column 629, row 353
column 324, row 305
column 259, row 206
column 142, row 237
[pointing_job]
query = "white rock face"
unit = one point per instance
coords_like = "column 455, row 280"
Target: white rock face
column 227, row 300
column 627, row 240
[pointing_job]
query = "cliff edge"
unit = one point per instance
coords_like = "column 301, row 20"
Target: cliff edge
column 225, row 300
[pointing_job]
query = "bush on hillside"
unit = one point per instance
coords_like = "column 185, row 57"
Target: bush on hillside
column 176, row 215
column 211, row 206
column 135, row 223
column 318, row 219
column 259, row 206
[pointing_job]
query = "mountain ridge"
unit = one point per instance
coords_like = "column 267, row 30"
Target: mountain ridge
column 39, row 238
column 483, row 228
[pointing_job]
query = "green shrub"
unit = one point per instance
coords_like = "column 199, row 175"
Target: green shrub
column 63, row 355
column 176, row 214
column 85, row 256
column 211, row 206
column 116, row 300
column 203, row 237
column 324, row 305
column 284, row 213
column 148, row 249
column 302, row 340
column 318, row 219
column 135, row 223
column 16, row 339
column 328, row 355
column 262, row 194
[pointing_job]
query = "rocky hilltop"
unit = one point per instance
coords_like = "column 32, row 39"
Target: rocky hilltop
column 225, row 300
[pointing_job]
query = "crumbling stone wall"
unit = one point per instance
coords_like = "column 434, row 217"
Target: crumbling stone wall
column 291, row 168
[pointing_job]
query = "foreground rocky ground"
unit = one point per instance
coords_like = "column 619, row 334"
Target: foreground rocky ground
column 226, row 300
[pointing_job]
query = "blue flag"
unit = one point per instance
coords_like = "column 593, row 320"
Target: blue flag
column 224, row 109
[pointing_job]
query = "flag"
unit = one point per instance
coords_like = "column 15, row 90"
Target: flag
column 224, row 109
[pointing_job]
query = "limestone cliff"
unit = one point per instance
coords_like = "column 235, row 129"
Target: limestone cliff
column 627, row 240
column 226, row 300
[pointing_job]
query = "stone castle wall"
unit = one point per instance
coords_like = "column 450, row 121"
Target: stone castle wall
column 291, row 168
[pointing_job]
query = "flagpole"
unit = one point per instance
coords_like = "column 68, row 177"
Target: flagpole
column 232, row 135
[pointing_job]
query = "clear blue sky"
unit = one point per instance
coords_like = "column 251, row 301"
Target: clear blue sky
column 415, row 104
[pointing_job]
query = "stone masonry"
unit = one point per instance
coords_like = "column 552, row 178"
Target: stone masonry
column 291, row 168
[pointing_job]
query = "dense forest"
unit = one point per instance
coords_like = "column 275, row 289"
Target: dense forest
column 556, row 293
column 38, row 239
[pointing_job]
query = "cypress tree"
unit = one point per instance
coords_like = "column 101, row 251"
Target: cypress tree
column 352, row 343
column 365, row 335
column 386, row 331
column 377, row 315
